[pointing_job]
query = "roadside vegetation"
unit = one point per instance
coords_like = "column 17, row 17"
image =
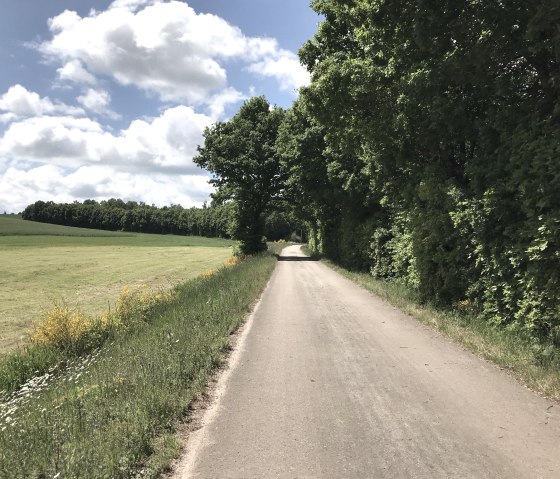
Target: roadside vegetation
column 112, row 413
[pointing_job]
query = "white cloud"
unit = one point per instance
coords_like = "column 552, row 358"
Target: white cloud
column 218, row 103
column 7, row 117
column 63, row 21
column 164, row 48
column 21, row 187
column 19, row 102
column 75, row 72
column 166, row 144
column 62, row 140
column 97, row 101
column 130, row 4
column 285, row 68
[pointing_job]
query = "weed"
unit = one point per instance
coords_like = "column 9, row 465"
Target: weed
column 209, row 273
column 137, row 303
column 233, row 261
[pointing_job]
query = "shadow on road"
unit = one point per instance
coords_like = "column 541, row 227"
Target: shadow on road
column 296, row 258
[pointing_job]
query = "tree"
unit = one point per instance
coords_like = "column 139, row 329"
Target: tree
column 241, row 154
column 309, row 193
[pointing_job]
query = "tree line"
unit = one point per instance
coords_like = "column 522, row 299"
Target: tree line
column 426, row 150
column 118, row 215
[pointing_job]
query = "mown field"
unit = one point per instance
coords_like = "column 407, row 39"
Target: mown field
column 41, row 263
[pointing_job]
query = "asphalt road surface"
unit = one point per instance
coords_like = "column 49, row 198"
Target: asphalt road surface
column 331, row 382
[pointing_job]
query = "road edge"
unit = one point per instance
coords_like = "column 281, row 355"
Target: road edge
column 206, row 408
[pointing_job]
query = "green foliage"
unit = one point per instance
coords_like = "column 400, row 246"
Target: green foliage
column 392, row 253
column 281, row 225
column 426, row 150
column 242, row 156
column 115, row 214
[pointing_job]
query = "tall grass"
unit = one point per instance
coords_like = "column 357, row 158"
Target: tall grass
column 112, row 413
column 66, row 333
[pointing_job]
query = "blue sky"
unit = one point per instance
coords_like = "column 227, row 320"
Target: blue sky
column 103, row 99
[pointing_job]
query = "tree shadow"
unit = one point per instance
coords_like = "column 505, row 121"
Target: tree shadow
column 295, row 258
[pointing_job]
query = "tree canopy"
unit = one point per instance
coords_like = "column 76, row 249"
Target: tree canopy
column 242, row 156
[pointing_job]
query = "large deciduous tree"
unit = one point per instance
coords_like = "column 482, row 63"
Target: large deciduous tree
column 242, row 156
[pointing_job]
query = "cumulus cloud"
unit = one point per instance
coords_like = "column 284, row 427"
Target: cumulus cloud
column 59, row 157
column 130, row 4
column 285, row 68
column 63, row 140
column 164, row 48
column 18, row 102
column 97, row 101
column 165, row 144
column 218, row 103
column 20, row 187
column 75, row 72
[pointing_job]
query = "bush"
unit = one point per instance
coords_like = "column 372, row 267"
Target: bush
column 71, row 331
column 63, row 328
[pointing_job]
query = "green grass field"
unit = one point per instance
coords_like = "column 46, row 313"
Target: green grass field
column 11, row 225
column 40, row 263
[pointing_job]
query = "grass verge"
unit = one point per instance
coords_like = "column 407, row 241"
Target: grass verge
column 112, row 413
column 510, row 351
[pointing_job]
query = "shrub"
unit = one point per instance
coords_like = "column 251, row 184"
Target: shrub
column 70, row 330
column 233, row 261
column 63, row 327
column 135, row 304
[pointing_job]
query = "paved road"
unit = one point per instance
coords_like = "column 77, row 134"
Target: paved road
column 331, row 382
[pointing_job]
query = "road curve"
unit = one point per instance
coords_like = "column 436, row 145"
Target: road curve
column 332, row 382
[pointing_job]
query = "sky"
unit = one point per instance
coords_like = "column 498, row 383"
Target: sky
column 109, row 98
